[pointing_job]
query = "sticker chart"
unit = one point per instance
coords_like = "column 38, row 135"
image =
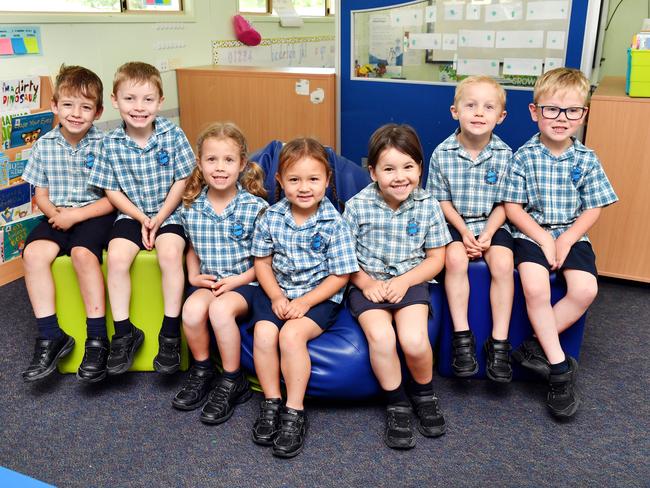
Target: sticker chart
column 20, row 41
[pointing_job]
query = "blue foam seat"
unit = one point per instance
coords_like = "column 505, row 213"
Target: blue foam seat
column 480, row 320
column 340, row 361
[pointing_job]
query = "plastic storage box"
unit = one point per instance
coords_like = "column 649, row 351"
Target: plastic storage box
column 638, row 73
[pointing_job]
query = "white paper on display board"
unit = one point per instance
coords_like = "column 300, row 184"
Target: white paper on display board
column 488, row 67
column 430, row 13
column 552, row 63
column 504, row 12
column 473, row 12
column 449, row 42
column 555, row 39
column 406, row 17
column 425, row 41
column 454, row 11
column 522, row 66
column 475, row 38
column 520, row 39
column 547, row 10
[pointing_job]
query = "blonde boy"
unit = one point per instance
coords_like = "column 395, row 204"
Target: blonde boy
column 555, row 192
column 466, row 174
column 143, row 171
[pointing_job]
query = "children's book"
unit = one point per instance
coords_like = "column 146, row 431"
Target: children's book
column 26, row 129
column 20, row 94
column 15, row 202
column 11, row 172
column 5, row 121
column 15, row 234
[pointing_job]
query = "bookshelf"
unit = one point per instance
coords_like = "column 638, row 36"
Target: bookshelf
column 12, row 270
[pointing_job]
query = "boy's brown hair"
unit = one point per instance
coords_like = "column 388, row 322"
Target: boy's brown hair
column 472, row 80
column 561, row 79
column 138, row 72
column 77, row 80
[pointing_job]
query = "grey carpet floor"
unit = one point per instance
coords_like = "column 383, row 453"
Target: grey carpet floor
column 124, row 431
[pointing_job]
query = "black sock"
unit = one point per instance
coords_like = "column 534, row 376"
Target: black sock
column 397, row 396
column 48, row 327
column 171, row 326
column 96, row 327
column 232, row 376
column 419, row 389
column 560, row 368
column 123, row 327
column 205, row 363
column 463, row 333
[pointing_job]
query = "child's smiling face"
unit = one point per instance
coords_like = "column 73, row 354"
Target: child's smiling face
column 396, row 174
column 304, row 183
column 556, row 133
column 478, row 110
column 221, row 164
column 138, row 103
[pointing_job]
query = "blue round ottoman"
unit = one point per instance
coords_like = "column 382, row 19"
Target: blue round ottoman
column 340, row 364
column 480, row 321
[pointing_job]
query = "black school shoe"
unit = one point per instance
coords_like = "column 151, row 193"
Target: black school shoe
column 93, row 366
column 168, row 359
column 195, row 390
column 47, row 354
column 431, row 422
column 464, row 361
column 562, row 398
column 122, row 351
column 531, row 355
column 290, row 439
column 399, row 431
column 497, row 355
column 266, row 426
column 223, row 398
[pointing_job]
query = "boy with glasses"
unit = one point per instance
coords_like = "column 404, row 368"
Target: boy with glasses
column 554, row 194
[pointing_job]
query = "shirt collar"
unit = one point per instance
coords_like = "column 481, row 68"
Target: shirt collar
column 161, row 125
column 93, row 134
column 325, row 211
column 576, row 146
column 371, row 194
column 206, row 207
column 494, row 144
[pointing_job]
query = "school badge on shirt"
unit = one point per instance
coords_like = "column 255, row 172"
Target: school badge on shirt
column 576, row 173
column 237, row 229
column 163, row 157
column 412, row 228
column 316, row 242
column 90, row 160
column 491, row 177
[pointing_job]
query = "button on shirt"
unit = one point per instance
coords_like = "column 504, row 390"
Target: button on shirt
column 472, row 186
column 391, row 242
column 145, row 175
column 223, row 242
column 555, row 190
column 63, row 169
column 304, row 255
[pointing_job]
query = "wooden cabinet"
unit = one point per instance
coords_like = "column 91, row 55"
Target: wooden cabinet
column 12, row 270
column 266, row 103
column 618, row 130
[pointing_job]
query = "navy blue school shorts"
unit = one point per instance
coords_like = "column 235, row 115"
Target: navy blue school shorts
column 324, row 314
column 93, row 234
column 248, row 293
column 581, row 256
column 500, row 238
column 131, row 230
column 357, row 303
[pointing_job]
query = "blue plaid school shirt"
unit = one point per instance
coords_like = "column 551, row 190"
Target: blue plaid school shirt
column 145, row 175
column 63, row 169
column 391, row 242
column 555, row 190
column 223, row 242
column 472, row 186
column 303, row 256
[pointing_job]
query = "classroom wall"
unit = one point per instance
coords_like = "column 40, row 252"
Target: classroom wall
column 626, row 23
column 103, row 46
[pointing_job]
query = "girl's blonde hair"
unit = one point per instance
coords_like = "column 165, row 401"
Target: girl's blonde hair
column 297, row 149
column 251, row 178
column 561, row 79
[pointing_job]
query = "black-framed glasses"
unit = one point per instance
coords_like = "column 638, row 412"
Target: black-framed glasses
column 553, row 112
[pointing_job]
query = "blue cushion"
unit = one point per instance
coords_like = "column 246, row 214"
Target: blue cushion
column 480, row 320
column 340, row 362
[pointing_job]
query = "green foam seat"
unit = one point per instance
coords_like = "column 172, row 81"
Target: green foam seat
column 146, row 311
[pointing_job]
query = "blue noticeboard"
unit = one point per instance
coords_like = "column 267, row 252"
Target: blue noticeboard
column 366, row 105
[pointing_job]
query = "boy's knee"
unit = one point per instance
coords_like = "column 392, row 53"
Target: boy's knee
column 415, row 346
column 584, row 295
column 536, row 292
column 291, row 339
column 456, row 261
column 502, row 268
column 265, row 339
column 169, row 256
column 381, row 339
column 83, row 258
